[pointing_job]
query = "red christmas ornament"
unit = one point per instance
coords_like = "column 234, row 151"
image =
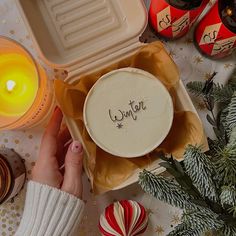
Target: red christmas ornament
column 172, row 19
column 215, row 35
column 123, row 218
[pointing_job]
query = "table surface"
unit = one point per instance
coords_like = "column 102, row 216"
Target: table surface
column 163, row 217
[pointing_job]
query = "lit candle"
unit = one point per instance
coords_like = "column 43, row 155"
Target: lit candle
column 26, row 97
column 18, row 84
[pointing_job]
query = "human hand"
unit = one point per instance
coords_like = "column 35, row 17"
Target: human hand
column 52, row 155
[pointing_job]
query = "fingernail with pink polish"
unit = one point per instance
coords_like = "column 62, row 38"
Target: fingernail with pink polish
column 76, row 147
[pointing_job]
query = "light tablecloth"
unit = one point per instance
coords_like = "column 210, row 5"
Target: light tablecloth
column 163, row 217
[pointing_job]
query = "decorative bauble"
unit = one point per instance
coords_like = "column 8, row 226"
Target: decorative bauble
column 123, row 218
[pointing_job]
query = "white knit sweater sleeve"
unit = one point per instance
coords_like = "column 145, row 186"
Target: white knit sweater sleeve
column 49, row 212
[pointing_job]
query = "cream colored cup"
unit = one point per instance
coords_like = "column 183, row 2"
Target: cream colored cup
column 128, row 112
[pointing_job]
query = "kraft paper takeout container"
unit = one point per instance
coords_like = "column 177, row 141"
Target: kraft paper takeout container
column 83, row 36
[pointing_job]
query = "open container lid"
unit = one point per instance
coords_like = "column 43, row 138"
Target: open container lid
column 78, row 32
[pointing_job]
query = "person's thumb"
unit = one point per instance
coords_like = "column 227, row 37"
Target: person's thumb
column 73, row 170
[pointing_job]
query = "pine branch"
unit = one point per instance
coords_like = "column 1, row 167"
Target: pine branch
column 231, row 117
column 232, row 141
column 179, row 230
column 222, row 93
column 203, row 89
column 209, row 84
column 184, row 230
column 226, row 167
column 226, row 161
column 233, row 211
column 201, row 171
column 199, row 188
column 232, row 80
column 212, row 93
column 228, row 196
column 202, row 220
column 228, row 200
column 175, row 168
column 214, row 148
column 228, row 230
column 223, row 125
column 196, row 88
column 165, row 190
column 223, row 115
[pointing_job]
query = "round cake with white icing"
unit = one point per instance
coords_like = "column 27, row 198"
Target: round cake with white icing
column 128, row 112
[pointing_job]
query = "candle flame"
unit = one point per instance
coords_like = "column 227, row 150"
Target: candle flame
column 10, row 85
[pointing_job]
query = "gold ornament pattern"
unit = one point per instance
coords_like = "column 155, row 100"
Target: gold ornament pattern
column 159, row 230
column 198, row 59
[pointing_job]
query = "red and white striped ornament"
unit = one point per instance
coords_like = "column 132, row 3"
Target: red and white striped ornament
column 123, row 218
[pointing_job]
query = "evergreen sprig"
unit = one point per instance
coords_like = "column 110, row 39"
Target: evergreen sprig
column 184, row 230
column 204, row 184
column 228, row 196
column 222, row 93
column 227, row 231
column 203, row 220
column 165, row 189
column 195, row 87
column 177, row 170
column 231, row 117
column 232, row 140
column 226, row 167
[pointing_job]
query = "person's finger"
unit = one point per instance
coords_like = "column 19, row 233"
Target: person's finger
column 73, row 170
column 63, row 142
column 49, row 140
column 54, row 124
